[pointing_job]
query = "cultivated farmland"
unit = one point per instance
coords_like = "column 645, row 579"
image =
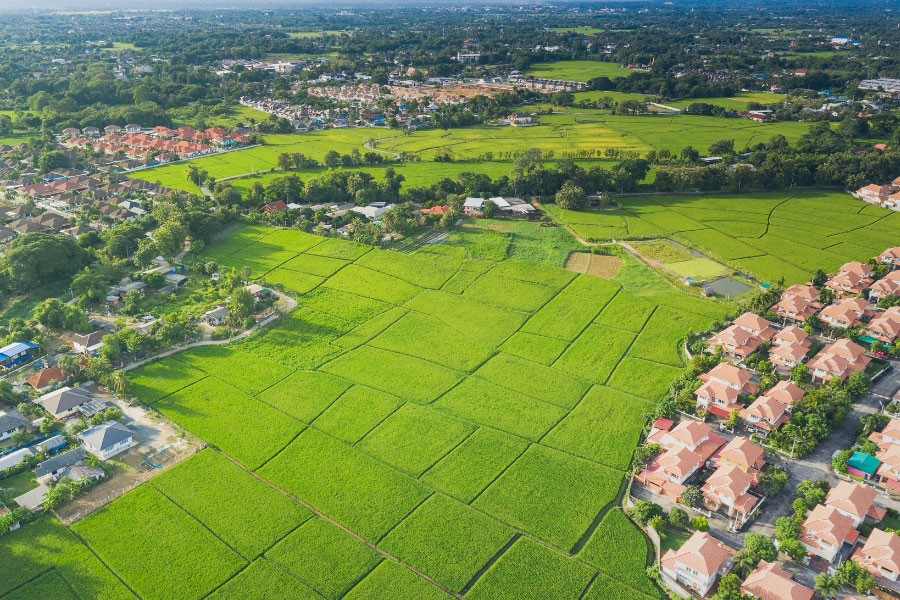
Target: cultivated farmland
column 434, row 425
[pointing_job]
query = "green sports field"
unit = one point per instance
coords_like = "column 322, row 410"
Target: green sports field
column 787, row 234
column 438, row 424
column 576, row 70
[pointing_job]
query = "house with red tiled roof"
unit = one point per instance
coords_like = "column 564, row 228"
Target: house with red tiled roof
column 669, row 473
column 689, row 434
column 765, row 415
column 890, row 257
column 888, row 471
column 770, row 582
column 727, row 490
column 789, row 347
column 796, row 309
column 888, row 436
column 699, row 563
column 881, row 555
column 825, row 531
column 856, row 501
column 743, row 454
column 838, row 359
column 439, row 211
column 802, row 291
column 722, row 387
column 756, row 325
column 846, row 313
column 736, row 341
column 885, row 326
column 787, row 392
column 874, row 193
column 275, row 206
column 889, row 285
column 43, row 380
column 850, row 280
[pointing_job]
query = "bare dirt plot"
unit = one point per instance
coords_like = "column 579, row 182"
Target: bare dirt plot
column 594, row 264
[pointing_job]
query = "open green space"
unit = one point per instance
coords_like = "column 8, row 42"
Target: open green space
column 576, row 70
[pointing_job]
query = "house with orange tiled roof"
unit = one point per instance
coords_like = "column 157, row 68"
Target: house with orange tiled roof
column 43, row 380
column 890, row 257
column 689, row 434
column 885, row 326
column 856, row 501
column 888, row 436
column 888, row 471
column 756, row 325
column 699, row 563
column 770, row 582
column 743, row 454
column 736, row 341
column 889, row 285
column 874, row 193
column 789, row 347
column 787, row 392
column 796, row 309
column 765, row 415
column 723, row 385
column 850, row 280
column 881, row 555
column 727, row 490
column 825, row 531
column 670, row 472
column 439, row 210
column 838, row 359
column 846, row 313
column 800, row 290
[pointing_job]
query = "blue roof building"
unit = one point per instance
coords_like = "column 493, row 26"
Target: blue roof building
column 15, row 353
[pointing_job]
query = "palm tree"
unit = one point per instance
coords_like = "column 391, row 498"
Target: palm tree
column 827, row 586
column 118, row 382
column 68, row 364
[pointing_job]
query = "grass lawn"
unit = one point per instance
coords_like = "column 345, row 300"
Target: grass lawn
column 576, row 70
column 675, row 538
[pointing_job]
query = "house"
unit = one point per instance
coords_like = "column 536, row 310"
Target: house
column 473, row 206
column 796, row 308
column 689, row 434
column 885, row 327
column 107, row 439
column 132, row 128
column 519, row 119
column 722, row 387
column 851, row 280
column 374, row 210
column 846, row 313
column 889, row 285
column 865, row 466
column 874, row 193
column 43, row 380
column 765, row 415
column 825, row 532
column 756, row 325
column 10, row 423
column 276, row 206
column 64, row 402
column 736, row 341
column 789, row 347
column 33, row 499
column 786, row 392
column 727, row 490
column 90, row 131
column 740, row 452
column 856, row 501
column 88, row 344
column 802, row 291
column 890, row 257
column 216, row 316
column 439, row 211
column 54, row 468
column 770, row 582
column 838, row 359
column 71, row 132
column 888, row 436
column 699, row 563
column 15, row 353
column 14, row 458
column 669, row 473
column 881, row 555
column 114, row 129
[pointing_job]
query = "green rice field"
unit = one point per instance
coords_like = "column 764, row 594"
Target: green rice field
column 576, row 70
column 441, row 424
column 770, row 235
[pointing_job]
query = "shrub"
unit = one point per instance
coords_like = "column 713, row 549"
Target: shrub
column 700, row 523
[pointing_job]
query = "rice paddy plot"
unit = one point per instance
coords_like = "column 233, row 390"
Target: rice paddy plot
column 263, row 580
column 538, row 381
column 537, row 348
column 551, row 494
column 576, row 70
column 629, row 562
column 391, row 581
column 244, row 371
column 492, row 326
column 595, row 353
column 161, row 378
column 356, row 412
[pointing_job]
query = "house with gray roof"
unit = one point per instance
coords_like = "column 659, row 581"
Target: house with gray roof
column 58, row 466
column 12, row 459
column 64, row 402
column 33, row 499
column 107, row 439
column 11, row 422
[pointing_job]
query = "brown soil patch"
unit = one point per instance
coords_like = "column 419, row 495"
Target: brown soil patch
column 594, row 264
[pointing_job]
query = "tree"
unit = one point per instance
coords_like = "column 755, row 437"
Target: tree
column 760, row 547
column 773, row 480
column 786, row 528
column 571, row 197
column 826, row 585
column 691, row 495
column 50, row 313
column 145, row 253
column 678, row 517
column 658, row 524
column 240, row 306
column 794, row 548
column 169, row 239
column 37, row 259
column 644, row 510
column 51, row 160
column 700, row 523
column 800, row 374
column 118, row 382
column 489, row 209
column 858, row 383
column 729, row 588
column 69, row 364
column 841, row 460
column 722, row 148
column 734, row 418
column 332, row 159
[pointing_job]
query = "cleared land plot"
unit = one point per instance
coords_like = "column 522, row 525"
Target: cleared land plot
column 156, row 380
column 604, row 427
column 363, row 494
column 597, row 265
column 240, row 425
column 221, row 495
column 140, row 550
column 475, row 463
column 411, row 378
column 553, row 495
column 415, row 437
column 489, row 404
column 447, row 540
column 330, row 560
column 530, row 571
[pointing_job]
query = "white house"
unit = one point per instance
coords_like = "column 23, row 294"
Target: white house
column 699, row 562
column 10, row 423
column 107, row 439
